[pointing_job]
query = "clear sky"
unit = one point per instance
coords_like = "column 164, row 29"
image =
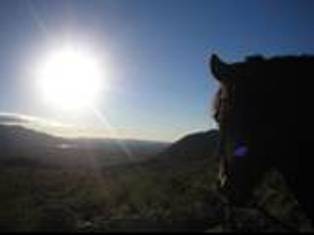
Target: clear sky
column 156, row 51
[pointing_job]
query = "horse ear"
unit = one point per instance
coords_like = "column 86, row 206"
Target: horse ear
column 220, row 69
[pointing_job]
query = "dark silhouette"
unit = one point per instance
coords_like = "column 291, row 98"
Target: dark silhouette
column 199, row 145
column 264, row 111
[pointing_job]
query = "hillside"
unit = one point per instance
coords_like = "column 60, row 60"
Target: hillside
column 194, row 146
column 84, row 189
column 15, row 136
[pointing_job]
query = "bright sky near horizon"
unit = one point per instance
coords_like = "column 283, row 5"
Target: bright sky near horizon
column 155, row 53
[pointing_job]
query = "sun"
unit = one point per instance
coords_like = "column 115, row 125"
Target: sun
column 70, row 79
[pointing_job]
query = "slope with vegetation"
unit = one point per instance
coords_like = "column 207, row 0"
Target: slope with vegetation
column 174, row 190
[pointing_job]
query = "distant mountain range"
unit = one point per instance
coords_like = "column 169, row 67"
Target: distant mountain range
column 17, row 142
column 22, row 136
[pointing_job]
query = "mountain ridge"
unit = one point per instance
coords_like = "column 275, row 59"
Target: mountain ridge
column 193, row 146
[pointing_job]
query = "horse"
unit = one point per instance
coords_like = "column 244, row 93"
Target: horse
column 263, row 109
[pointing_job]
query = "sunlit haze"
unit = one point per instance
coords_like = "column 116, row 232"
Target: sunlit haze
column 70, row 79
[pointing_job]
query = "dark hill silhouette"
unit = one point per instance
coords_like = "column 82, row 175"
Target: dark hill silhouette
column 16, row 137
column 190, row 152
column 194, row 146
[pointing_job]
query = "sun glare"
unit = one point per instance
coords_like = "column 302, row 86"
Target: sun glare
column 70, row 79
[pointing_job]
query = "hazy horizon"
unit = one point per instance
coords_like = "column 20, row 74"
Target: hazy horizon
column 58, row 129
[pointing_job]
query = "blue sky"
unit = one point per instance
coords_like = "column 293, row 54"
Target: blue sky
column 157, row 50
